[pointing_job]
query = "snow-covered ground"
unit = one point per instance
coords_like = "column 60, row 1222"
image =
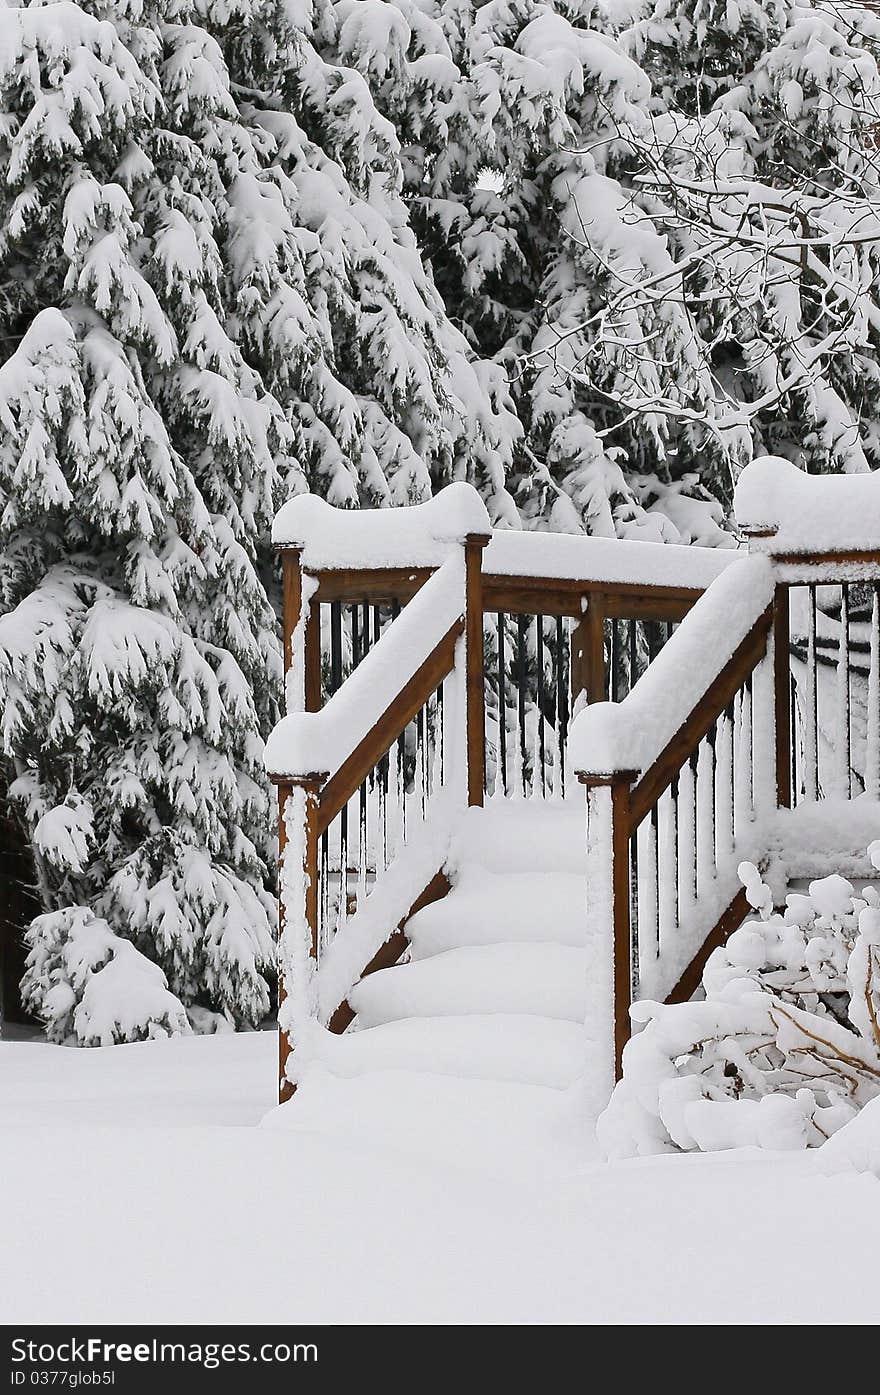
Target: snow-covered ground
column 138, row 1187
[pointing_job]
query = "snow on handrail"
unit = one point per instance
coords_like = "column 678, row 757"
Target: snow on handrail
column 614, row 561
column 422, row 535
column 307, row 743
column 805, row 514
column 608, row 738
column 417, row 535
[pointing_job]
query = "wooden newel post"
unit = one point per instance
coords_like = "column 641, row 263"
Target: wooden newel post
column 613, row 835
column 292, row 591
column 291, row 578
column 475, row 701
column 293, row 889
column 620, row 883
column 588, row 652
column 782, row 694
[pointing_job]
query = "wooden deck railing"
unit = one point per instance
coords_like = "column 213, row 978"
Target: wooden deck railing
column 543, row 625
column 787, row 712
column 675, row 776
column 718, row 688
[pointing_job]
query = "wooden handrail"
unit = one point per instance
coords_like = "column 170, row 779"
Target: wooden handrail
column 378, row 742
column 326, row 796
column 632, row 796
column 717, row 697
column 527, row 595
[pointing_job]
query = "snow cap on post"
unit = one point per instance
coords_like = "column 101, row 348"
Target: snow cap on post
column 807, row 513
column 603, row 742
column 413, row 535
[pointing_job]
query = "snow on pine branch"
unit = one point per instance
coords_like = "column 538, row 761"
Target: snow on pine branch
column 93, row 988
column 739, row 263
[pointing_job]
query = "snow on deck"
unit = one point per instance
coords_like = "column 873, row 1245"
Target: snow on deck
column 136, row 1201
column 567, row 556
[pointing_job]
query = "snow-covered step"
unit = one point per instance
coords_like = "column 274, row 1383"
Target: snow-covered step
column 482, row 1124
column 530, row 1050
column 493, row 908
column 546, row 980
column 511, row 834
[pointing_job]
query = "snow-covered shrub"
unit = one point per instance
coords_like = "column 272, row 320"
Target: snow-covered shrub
column 784, row 1050
column 93, row 988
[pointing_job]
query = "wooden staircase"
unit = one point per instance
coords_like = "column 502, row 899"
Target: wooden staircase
column 518, row 773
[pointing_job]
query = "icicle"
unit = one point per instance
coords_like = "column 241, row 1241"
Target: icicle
column 687, row 839
column 556, row 758
column 705, row 817
column 762, row 710
column 742, row 762
column 840, row 723
column 517, row 782
column 418, row 791
column 363, row 843
column 498, row 789
column 537, row 791
column 342, row 908
column 667, row 870
column 437, row 750
column 649, row 940
column 724, row 789
column 811, row 717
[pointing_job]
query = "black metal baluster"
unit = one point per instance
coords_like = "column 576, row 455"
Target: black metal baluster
column 539, row 660
column 382, row 771
column 634, row 957
column 364, row 791
column 813, row 716
column 633, row 654
column 521, row 696
column 422, row 752
column 324, row 898
column 335, row 646
column 713, row 767
column 562, row 696
column 847, row 677
column 677, row 859
column 655, row 841
column 794, row 744
column 502, row 706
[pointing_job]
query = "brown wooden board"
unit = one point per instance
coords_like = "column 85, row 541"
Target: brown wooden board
column 379, row 740
column 475, row 701
column 730, row 920
column 376, row 585
column 530, row 595
column 438, row 887
column 717, row 697
column 620, row 795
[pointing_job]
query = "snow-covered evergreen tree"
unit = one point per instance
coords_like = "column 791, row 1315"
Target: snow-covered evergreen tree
column 209, row 297
column 645, row 345
column 760, row 166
